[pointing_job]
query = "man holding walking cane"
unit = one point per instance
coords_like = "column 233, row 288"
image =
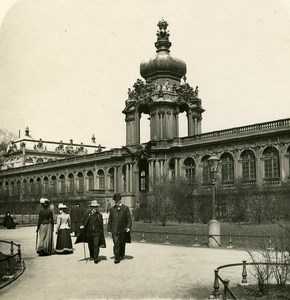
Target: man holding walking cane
column 92, row 231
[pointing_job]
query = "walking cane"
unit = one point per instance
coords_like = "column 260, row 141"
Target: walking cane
column 85, row 252
column 84, row 246
column 36, row 242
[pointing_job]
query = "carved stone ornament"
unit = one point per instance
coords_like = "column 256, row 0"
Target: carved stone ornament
column 141, row 153
column 186, row 93
column 141, row 91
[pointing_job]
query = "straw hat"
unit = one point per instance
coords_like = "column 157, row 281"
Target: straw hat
column 95, row 203
column 62, row 206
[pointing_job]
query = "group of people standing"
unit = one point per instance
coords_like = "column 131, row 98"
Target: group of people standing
column 90, row 230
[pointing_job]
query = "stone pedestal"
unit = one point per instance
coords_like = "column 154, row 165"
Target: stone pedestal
column 214, row 231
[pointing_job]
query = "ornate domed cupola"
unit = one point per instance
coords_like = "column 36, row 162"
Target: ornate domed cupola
column 163, row 96
column 163, row 65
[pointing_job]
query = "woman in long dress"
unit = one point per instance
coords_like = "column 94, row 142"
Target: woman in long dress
column 63, row 242
column 44, row 231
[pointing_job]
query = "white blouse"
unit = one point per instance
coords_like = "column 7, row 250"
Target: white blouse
column 63, row 221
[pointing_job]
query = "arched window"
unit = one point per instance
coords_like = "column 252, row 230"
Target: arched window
column 90, row 176
column 31, row 187
column 171, row 166
column 25, row 187
column 227, row 168
column 248, row 165
column 271, row 164
column 53, row 185
column 143, row 181
column 45, row 185
column 38, row 186
column 143, row 175
column 70, row 183
column 12, row 187
column 62, row 184
column 111, row 179
column 189, row 166
column 18, row 188
column 81, row 181
column 205, row 170
column 101, row 179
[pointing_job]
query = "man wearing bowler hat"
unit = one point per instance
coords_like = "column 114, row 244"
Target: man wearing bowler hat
column 119, row 226
column 93, row 229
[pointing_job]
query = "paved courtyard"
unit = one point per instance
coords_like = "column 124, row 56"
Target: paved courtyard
column 150, row 271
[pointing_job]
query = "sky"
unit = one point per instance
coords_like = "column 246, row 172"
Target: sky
column 66, row 65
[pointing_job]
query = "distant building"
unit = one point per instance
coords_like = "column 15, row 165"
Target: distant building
column 256, row 154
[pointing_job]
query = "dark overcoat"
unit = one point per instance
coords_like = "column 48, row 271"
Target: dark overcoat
column 120, row 219
column 82, row 237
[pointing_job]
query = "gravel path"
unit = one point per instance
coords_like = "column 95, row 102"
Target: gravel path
column 149, row 272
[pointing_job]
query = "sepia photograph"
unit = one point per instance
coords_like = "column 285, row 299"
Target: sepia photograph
column 144, row 149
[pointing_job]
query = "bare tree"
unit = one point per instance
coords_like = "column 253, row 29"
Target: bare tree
column 160, row 202
column 183, row 195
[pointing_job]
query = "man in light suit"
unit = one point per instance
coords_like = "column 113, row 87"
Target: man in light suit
column 119, row 227
column 92, row 225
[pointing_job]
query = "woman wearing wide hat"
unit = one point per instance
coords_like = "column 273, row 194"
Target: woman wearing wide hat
column 92, row 231
column 44, row 231
column 63, row 242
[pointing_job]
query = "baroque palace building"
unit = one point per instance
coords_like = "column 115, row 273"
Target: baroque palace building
column 257, row 154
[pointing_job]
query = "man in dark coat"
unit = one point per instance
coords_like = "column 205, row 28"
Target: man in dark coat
column 93, row 230
column 76, row 215
column 119, row 226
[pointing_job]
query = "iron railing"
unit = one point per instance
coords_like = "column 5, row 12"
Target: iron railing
column 12, row 266
column 225, row 282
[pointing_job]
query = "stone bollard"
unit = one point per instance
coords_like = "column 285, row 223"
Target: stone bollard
column 216, row 284
column 230, row 246
column 226, row 288
column 244, row 273
column 196, row 244
column 167, row 239
column 214, row 231
column 143, row 238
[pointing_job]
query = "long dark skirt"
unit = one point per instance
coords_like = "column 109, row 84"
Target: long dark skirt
column 45, row 240
column 63, row 242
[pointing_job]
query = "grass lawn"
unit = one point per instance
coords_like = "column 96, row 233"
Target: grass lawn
column 250, row 236
column 246, row 236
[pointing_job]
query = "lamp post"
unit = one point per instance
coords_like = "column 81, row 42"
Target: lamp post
column 213, row 225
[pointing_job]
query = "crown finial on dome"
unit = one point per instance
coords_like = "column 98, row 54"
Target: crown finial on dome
column 162, row 43
column 162, row 24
